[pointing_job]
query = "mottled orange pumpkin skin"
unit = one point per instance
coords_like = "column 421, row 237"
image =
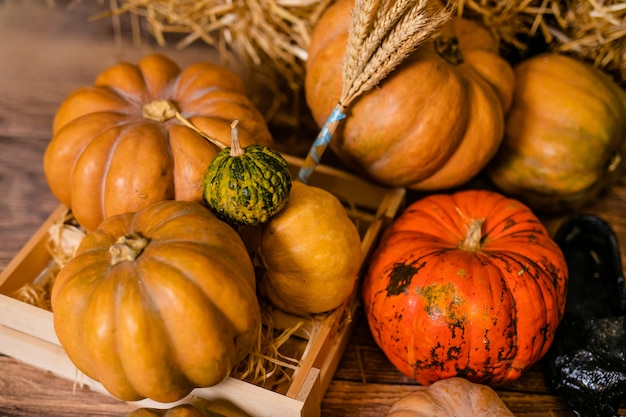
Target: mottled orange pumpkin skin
column 438, row 310
column 433, row 123
column 107, row 157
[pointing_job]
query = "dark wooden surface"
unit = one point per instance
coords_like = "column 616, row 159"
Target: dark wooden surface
column 45, row 52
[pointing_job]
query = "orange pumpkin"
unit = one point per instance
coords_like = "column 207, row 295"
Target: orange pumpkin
column 158, row 302
column 451, row 397
column 182, row 410
column 565, row 138
column 468, row 284
column 433, row 123
column 309, row 253
column 118, row 146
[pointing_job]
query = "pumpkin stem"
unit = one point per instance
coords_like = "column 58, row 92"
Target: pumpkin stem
column 159, row 111
column 190, row 125
column 127, row 248
column 473, row 236
column 235, row 146
column 448, row 48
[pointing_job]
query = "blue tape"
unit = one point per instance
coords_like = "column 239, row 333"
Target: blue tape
column 319, row 145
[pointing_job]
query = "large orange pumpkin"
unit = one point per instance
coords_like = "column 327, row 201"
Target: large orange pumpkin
column 118, row 146
column 158, row 302
column 467, row 284
column 433, row 123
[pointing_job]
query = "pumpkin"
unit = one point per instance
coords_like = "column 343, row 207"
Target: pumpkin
column 182, row 410
column 309, row 253
column 452, row 397
column 246, row 186
column 118, row 145
column 433, row 123
column 468, row 284
column 565, row 134
column 158, row 302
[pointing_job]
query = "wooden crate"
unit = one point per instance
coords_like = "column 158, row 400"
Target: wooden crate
column 27, row 332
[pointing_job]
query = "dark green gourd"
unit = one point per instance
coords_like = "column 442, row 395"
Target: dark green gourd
column 246, row 186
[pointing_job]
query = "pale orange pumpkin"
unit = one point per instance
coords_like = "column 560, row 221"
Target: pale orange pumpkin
column 118, row 146
column 433, row 123
column 452, row 397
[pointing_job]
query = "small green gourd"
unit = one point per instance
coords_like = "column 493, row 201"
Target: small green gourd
column 246, row 186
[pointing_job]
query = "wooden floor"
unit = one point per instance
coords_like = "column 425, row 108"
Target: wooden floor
column 45, row 52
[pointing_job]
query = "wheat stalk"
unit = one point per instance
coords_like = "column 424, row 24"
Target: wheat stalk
column 381, row 35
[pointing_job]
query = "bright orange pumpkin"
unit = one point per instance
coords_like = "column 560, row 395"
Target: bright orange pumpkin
column 433, row 123
column 468, row 284
column 158, row 302
column 118, row 146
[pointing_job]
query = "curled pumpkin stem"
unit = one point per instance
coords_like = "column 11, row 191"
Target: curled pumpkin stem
column 191, row 126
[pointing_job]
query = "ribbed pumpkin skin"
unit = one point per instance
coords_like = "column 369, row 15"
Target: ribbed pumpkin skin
column 452, row 397
column 183, row 410
column 433, row 123
column 247, row 189
column 438, row 310
column 179, row 316
column 106, row 158
column 565, row 137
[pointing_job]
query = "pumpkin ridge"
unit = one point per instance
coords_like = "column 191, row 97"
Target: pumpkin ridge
column 212, row 298
column 91, row 147
column 127, row 98
column 177, row 381
column 213, row 97
column 150, row 133
column 168, row 326
column 185, row 370
column 541, row 282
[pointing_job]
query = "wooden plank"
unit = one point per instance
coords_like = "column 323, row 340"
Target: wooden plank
column 30, row 392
